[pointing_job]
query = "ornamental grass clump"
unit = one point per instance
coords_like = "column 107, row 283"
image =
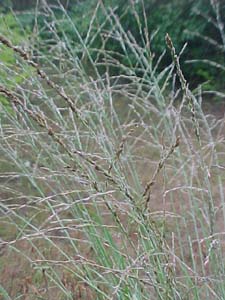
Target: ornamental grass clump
column 112, row 176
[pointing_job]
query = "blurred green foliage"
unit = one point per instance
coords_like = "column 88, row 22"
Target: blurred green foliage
column 191, row 22
column 186, row 21
column 11, row 72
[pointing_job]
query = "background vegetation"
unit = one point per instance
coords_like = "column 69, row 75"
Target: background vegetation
column 191, row 22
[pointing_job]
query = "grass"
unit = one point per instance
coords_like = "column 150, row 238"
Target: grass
column 112, row 186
